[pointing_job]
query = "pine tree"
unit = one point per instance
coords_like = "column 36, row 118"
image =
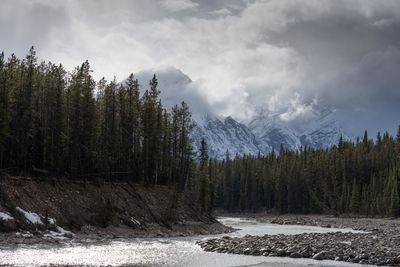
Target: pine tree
column 22, row 123
column 53, row 118
column 203, row 174
column 4, row 113
column 109, row 127
column 132, row 128
column 355, row 198
column 182, row 120
column 151, row 131
column 394, row 206
column 227, row 183
column 281, row 194
column 82, row 121
column 398, row 144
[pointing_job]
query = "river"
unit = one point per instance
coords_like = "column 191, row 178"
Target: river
column 180, row 251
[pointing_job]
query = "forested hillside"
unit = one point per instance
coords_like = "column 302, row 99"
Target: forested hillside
column 60, row 124
column 360, row 177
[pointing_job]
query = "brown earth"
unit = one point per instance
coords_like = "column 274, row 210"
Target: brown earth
column 98, row 210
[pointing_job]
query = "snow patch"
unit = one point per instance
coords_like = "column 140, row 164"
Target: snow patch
column 32, row 217
column 4, row 216
column 35, row 218
column 26, row 234
column 61, row 233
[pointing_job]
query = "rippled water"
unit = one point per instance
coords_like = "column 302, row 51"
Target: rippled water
column 162, row 251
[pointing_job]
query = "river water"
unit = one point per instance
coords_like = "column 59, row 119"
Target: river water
column 180, row 251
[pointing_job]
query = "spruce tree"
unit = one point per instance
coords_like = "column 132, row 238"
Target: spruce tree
column 355, row 197
column 4, row 113
column 203, row 174
column 132, row 128
column 394, row 206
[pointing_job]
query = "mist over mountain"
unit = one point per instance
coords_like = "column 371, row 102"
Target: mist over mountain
column 313, row 126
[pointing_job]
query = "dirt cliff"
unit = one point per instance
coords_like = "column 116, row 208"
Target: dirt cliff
column 45, row 204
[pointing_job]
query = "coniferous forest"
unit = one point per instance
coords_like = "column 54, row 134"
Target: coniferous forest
column 59, row 124
column 352, row 177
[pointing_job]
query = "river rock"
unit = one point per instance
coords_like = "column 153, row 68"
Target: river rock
column 380, row 247
column 323, row 255
column 280, row 252
column 295, row 255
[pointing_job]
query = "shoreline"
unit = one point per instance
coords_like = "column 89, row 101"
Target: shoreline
column 90, row 233
column 380, row 245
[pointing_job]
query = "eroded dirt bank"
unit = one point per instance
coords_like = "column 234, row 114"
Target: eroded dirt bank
column 379, row 246
column 49, row 211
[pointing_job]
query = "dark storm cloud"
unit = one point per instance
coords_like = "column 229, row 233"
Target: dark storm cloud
column 284, row 56
column 349, row 53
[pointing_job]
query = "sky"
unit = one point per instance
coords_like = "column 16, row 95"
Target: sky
column 245, row 57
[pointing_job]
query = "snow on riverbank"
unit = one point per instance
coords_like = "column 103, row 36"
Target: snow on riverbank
column 5, row 216
column 32, row 217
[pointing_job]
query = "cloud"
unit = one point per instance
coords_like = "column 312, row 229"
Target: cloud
column 244, row 55
column 221, row 12
column 179, row 5
column 298, row 110
column 175, row 87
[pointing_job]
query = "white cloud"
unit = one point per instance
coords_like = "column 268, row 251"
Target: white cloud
column 298, row 110
column 179, row 5
column 221, row 12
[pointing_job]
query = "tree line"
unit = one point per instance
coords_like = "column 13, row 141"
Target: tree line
column 61, row 124
column 65, row 124
column 358, row 177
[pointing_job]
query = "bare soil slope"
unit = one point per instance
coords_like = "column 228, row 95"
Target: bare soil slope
column 79, row 206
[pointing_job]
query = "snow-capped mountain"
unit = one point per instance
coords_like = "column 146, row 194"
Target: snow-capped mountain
column 262, row 134
column 226, row 135
column 322, row 130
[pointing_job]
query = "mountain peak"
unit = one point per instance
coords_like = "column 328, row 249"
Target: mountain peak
column 166, row 74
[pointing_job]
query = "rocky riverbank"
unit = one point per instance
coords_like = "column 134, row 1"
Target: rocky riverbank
column 379, row 246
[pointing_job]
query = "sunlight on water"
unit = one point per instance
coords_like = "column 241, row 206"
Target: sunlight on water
column 160, row 251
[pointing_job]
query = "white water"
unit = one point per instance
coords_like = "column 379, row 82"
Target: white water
column 162, row 251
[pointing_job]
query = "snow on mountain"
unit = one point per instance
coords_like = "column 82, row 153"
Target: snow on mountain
column 274, row 131
column 226, row 135
column 265, row 132
column 321, row 131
